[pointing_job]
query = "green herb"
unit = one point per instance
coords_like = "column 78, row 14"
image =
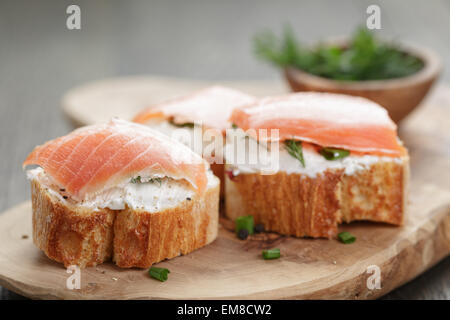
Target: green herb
column 334, row 154
column 244, row 222
column 271, row 254
column 346, row 237
column 155, row 179
column 234, row 126
column 161, row 274
column 182, row 125
column 294, row 148
column 138, row 179
column 364, row 58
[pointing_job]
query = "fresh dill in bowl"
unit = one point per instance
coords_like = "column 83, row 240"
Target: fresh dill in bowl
column 363, row 58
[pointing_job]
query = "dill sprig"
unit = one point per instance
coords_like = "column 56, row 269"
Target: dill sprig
column 295, row 149
column 364, row 58
column 138, row 179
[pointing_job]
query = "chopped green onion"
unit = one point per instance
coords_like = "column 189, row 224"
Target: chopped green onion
column 346, row 237
column 244, row 222
column 234, row 126
column 271, row 254
column 334, row 154
column 295, row 149
column 161, row 274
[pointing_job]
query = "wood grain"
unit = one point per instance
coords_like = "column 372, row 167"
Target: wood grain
column 230, row 268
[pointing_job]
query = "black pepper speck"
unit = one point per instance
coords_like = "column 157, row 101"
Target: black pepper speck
column 259, row 228
column 243, row 234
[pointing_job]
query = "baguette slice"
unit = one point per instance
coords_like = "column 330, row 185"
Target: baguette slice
column 75, row 235
column 298, row 205
column 314, row 189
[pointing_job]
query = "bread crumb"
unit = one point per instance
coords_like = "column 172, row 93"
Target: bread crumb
column 24, row 236
column 115, row 279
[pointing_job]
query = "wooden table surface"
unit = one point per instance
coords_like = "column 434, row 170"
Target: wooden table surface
column 40, row 59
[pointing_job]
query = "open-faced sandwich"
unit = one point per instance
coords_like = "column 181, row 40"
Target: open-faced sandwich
column 338, row 160
column 120, row 191
column 208, row 110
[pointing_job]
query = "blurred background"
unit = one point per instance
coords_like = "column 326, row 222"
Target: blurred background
column 40, row 59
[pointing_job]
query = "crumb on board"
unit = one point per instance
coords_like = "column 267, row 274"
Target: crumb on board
column 114, row 278
column 24, row 236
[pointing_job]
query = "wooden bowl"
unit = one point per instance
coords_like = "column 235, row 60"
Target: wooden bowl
column 399, row 96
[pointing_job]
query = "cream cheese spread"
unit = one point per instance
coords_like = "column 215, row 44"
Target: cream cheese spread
column 269, row 162
column 159, row 194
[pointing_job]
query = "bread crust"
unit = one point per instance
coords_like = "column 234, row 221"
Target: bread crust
column 142, row 238
column 74, row 235
column 69, row 234
column 295, row 204
column 219, row 170
column 290, row 204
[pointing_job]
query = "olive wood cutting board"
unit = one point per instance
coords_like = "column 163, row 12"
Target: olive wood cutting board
column 231, row 268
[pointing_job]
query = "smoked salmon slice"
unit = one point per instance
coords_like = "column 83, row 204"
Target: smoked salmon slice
column 94, row 158
column 328, row 120
column 210, row 107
